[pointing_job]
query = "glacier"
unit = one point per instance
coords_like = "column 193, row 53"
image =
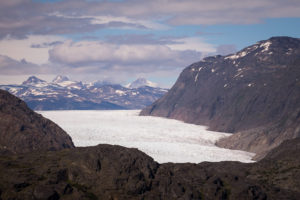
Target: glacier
column 165, row 140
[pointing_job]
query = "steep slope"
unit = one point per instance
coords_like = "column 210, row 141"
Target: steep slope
column 22, row 130
column 114, row 172
column 254, row 93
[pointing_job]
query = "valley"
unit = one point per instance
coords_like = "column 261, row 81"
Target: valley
column 165, row 140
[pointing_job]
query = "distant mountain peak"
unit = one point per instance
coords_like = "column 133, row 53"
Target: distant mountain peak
column 140, row 82
column 65, row 94
column 33, row 80
column 60, row 78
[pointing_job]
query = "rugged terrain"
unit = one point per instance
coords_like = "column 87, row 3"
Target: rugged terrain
column 64, row 94
column 254, row 93
column 114, row 172
column 22, row 130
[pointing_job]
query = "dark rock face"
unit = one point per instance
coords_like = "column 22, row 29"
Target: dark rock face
column 254, row 93
column 114, row 172
column 22, row 130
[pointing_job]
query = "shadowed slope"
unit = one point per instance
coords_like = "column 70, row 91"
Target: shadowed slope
column 22, row 130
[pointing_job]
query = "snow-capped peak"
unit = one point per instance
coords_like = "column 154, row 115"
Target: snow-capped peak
column 33, row 80
column 60, row 78
column 140, row 82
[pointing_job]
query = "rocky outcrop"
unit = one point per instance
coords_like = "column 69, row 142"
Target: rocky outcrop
column 254, row 93
column 22, row 130
column 114, row 172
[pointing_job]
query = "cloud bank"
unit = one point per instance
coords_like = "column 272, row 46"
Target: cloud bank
column 43, row 37
column 78, row 16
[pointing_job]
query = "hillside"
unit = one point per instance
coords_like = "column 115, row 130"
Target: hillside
column 254, row 93
column 22, row 130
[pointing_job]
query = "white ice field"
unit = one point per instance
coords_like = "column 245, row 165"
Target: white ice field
column 165, row 140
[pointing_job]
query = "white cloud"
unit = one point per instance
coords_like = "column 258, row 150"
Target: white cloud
column 94, row 51
column 108, row 19
column 192, row 43
column 20, row 49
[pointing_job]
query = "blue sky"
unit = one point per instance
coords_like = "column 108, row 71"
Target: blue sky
column 122, row 40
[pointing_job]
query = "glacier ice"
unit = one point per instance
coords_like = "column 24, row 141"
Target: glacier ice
column 165, row 140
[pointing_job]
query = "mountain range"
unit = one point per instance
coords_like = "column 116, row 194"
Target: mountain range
column 64, row 94
column 254, row 93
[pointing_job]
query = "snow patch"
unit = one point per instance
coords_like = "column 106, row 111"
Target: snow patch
column 14, row 90
column 266, row 46
column 236, row 56
column 120, row 92
column 196, row 77
column 289, row 51
column 239, row 73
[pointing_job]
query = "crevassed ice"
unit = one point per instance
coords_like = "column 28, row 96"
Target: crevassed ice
column 165, row 140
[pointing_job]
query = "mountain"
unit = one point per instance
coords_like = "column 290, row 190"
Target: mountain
column 254, row 93
column 64, row 94
column 32, row 80
column 59, row 79
column 22, row 130
column 141, row 82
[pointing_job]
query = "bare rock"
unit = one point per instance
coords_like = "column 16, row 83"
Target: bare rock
column 22, row 130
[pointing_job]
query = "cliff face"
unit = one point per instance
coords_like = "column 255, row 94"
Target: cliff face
column 254, row 93
column 22, row 130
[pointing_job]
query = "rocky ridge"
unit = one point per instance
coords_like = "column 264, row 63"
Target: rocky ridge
column 114, row 172
column 254, row 93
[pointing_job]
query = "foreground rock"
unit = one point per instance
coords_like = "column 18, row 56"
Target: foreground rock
column 254, row 93
column 22, row 130
column 114, row 172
